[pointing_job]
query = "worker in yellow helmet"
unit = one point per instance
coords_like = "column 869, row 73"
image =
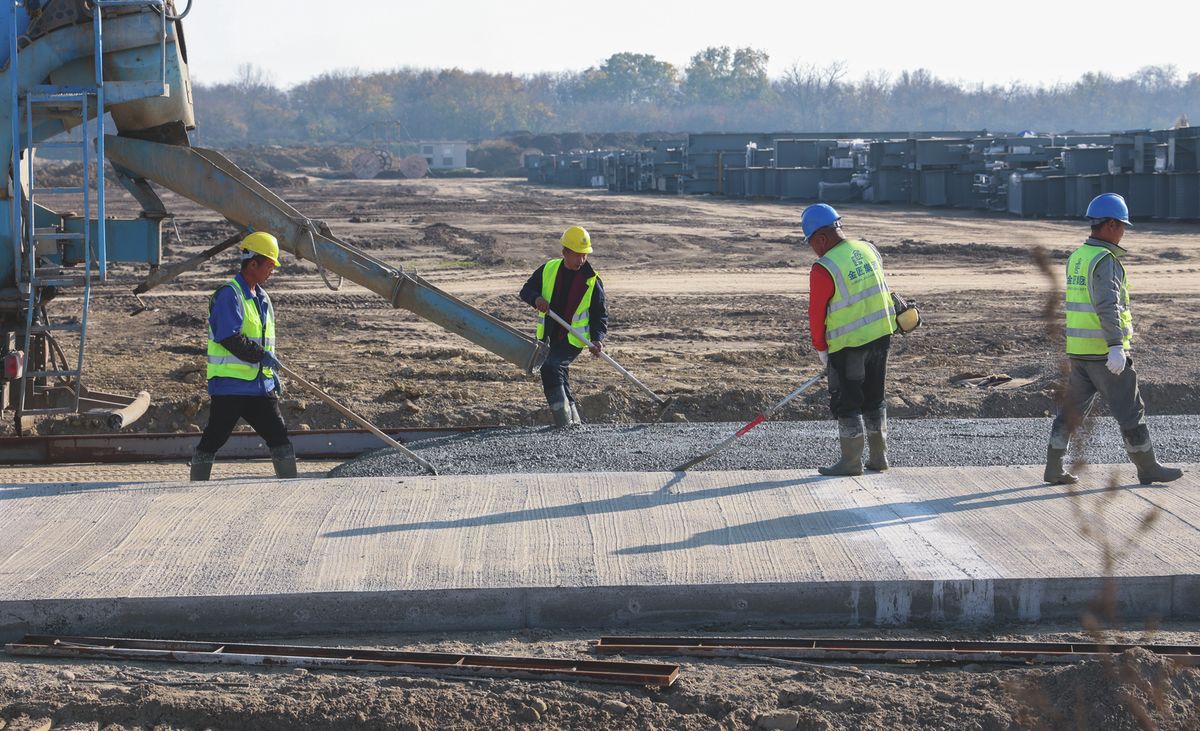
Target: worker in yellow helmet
column 569, row 286
column 243, row 382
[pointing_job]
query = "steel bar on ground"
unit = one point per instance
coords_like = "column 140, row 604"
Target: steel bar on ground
column 344, row 411
column 335, row 658
column 608, row 358
column 309, row 444
column 884, row 650
column 753, row 423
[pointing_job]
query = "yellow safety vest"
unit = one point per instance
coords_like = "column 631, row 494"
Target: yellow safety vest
column 581, row 319
column 1085, row 335
column 861, row 310
column 224, row 364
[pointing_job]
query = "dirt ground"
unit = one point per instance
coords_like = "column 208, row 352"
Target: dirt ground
column 1136, row 691
column 707, row 296
column 708, row 303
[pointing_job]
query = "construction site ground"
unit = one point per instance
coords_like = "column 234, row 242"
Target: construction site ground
column 707, row 301
column 708, row 305
column 982, row 554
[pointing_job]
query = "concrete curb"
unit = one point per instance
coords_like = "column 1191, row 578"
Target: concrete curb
column 1136, row 599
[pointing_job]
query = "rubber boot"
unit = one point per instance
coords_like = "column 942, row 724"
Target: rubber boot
column 575, row 420
column 284, row 459
column 1055, row 473
column 850, row 436
column 875, row 424
column 202, row 464
column 560, row 408
column 1141, row 453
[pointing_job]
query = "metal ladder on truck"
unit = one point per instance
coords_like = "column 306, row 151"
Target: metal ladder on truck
column 53, row 379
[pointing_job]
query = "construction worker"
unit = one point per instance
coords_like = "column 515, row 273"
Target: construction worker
column 572, row 289
column 851, row 320
column 1099, row 339
column 242, row 379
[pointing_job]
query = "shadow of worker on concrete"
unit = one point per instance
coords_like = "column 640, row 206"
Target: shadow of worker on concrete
column 666, row 495
column 865, row 518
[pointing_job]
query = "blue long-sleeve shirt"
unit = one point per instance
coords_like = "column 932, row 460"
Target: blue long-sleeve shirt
column 225, row 319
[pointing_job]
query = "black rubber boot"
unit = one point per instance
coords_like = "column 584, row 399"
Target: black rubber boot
column 1150, row 471
column 850, row 437
column 875, row 424
column 284, row 459
column 560, row 409
column 202, row 464
column 1141, row 453
column 1055, row 473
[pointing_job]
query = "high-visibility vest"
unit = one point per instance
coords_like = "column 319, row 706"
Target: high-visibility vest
column 861, row 310
column 581, row 319
column 1085, row 335
column 224, row 364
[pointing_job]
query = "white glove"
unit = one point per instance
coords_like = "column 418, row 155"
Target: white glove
column 824, row 356
column 1116, row 360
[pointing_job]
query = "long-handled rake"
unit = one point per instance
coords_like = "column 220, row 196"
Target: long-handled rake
column 425, row 465
column 663, row 404
column 753, row 423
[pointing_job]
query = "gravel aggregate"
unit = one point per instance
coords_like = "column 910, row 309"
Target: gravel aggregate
column 773, row 445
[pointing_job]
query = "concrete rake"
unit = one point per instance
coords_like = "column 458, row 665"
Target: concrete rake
column 753, row 423
column 663, row 404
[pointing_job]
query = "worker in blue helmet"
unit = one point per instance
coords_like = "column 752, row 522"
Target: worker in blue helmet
column 1099, row 338
column 851, row 320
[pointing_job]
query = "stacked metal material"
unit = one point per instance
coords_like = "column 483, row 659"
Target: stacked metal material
column 1026, row 174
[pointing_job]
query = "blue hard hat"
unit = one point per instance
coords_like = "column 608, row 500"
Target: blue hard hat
column 817, row 217
column 1108, row 205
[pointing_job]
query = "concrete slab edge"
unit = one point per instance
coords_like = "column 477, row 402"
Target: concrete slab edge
column 931, row 603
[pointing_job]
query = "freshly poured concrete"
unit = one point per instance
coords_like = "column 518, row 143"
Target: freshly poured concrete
column 254, row 558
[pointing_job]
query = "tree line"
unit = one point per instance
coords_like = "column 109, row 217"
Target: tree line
column 720, row 89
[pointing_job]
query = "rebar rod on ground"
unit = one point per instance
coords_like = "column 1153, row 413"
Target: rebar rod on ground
column 341, row 658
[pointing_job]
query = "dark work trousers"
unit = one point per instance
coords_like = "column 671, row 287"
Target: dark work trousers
column 554, row 370
column 856, row 377
column 1089, row 379
column 260, row 412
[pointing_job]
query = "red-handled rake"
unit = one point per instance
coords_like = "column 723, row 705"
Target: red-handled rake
column 753, row 423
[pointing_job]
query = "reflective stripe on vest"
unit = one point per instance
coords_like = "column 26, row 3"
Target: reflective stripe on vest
column 581, row 320
column 224, row 364
column 861, row 310
column 1085, row 334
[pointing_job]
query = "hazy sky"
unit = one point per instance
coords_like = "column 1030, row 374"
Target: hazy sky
column 993, row 42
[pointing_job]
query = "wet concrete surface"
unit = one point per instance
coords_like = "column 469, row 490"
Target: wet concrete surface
column 770, row 446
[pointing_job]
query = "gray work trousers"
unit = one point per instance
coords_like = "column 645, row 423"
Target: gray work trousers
column 1089, row 379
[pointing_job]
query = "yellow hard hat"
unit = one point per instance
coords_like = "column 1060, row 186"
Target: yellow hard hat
column 263, row 243
column 577, row 239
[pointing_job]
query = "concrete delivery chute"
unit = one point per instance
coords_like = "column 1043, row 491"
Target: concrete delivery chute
column 208, row 178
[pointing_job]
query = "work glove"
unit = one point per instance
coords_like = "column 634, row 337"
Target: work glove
column 596, row 348
column 1116, row 360
column 270, row 361
column 824, row 356
column 541, row 305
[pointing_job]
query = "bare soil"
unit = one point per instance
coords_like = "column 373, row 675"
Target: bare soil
column 1137, row 690
column 708, row 303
